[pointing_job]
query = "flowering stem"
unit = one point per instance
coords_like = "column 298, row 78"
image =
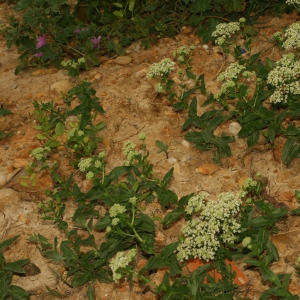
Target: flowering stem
column 135, row 233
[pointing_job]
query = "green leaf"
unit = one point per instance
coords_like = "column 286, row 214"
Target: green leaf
column 59, row 129
column 116, row 173
column 8, row 242
column 144, row 223
column 23, row 4
column 4, row 111
column 166, row 196
column 296, row 211
column 23, row 64
column 234, row 5
column 172, row 216
column 3, row 287
column 52, row 144
column 160, row 145
column 16, row 266
column 272, row 250
column 91, row 293
column 103, row 223
column 167, row 178
column 291, row 150
column 17, row 293
column 54, row 256
column 200, row 6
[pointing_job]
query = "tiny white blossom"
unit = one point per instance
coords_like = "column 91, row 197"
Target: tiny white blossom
column 84, row 164
column 40, row 152
column 116, row 210
column 163, row 68
column 121, row 261
column 89, row 175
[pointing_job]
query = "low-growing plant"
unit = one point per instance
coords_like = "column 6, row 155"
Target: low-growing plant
column 7, row 270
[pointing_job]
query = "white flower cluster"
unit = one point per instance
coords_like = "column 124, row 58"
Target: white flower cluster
column 285, row 77
column 84, row 164
column 249, row 182
column 292, row 37
column 116, row 210
column 163, row 68
column 196, row 203
column 232, row 72
column 121, row 261
column 129, row 152
column 40, row 152
column 215, row 224
column 72, row 63
column 295, row 2
column 224, row 31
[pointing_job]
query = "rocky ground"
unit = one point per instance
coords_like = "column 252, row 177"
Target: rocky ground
column 125, row 92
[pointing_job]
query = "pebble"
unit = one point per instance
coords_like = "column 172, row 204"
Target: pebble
column 185, row 144
column 20, row 163
column 62, row 86
column 207, row 169
column 234, row 128
column 14, row 85
column 122, row 60
column 172, row 160
column 3, row 179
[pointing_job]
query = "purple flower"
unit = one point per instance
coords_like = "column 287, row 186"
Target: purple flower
column 77, row 31
column 96, row 41
column 39, row 54
column 41, row 41
column 108, row 37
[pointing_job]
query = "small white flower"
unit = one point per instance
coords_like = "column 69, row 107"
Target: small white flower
column 121, row 261
column 84, row 164
column 89, row 175
column 163, row 68
column 116, row 210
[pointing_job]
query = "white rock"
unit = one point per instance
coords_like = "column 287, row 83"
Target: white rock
column 234, row 128
column 172, row 160
column 62, row 86
column 185, row 143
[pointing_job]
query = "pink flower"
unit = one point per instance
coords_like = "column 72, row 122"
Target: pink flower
column 77, row 31
column 96, row 41
column 41, row 41
column 39, row 54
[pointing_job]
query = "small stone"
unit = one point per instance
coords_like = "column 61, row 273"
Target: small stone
column 62, row 86
column 208, row 169
column 172, row 160
column 160, row 239
column 3, row 179
column 14, row 85
column 20, row 163
column 185, row 144
column 234, row 128
column 186, row 29
column 122, row 60
column 22, row 218
column 8, row 196
column 31, row 269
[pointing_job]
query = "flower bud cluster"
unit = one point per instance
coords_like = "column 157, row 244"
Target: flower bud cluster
column 73, row 63
column 215, row 224
column 224, row 31
column 40, row 152
column 161, row 69
column 121, row 261
column 129, row 152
